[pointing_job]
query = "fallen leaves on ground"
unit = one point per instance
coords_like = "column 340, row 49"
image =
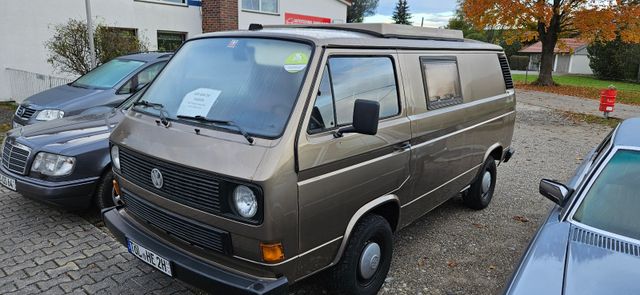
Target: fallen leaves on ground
column 478, row 225
column 588, row 118
column 520, row 219
column 626, row 97
column 452, row 263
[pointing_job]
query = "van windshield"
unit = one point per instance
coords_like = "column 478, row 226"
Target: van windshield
column 250, row 81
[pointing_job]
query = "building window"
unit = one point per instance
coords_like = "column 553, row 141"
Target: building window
column 349, row 78
column 170, row 41
column 442, row 81
column 267, row 6
column 167, row 1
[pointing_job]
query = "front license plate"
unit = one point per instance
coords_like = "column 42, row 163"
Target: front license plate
column 8, row 182
column 149, row 257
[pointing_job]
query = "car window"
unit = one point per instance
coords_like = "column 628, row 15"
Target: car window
column 612, row 202
column 347, row 79
column 142, row 78
column 108, row 74
column 442, row 81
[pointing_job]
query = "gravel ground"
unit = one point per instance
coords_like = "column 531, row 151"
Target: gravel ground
column 454, row 250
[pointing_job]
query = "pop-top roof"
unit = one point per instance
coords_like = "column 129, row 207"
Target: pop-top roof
column 388, row 30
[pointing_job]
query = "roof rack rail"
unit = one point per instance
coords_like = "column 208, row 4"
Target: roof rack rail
column 388, row 30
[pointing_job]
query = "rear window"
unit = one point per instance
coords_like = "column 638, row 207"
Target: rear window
column 613, row 202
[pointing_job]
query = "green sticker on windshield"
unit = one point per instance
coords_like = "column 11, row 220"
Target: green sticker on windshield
column 296, row 62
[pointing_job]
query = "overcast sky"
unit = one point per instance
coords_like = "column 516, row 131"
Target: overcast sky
column 436, row 13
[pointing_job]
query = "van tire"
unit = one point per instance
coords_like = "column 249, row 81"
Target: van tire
column 479, row 195
column 346, row 276
column 103, row 197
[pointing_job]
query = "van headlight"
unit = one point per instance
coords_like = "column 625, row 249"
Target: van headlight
column 245, row 201
column 48, row 115
column 52, row 164
column 115, row 157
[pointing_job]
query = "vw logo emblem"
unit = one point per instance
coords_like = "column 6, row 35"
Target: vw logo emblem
column 156, row 178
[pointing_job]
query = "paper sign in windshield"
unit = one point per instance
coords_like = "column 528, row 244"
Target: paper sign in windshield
column 296, row 62
column 198, row 102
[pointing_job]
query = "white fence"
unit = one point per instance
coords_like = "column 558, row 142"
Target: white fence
column 24, row 84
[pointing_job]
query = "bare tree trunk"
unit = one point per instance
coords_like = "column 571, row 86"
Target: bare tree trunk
column 545, row 77
column 549, row 38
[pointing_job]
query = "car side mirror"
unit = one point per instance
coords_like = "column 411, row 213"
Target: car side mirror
column 554, row 191
column 366, row 114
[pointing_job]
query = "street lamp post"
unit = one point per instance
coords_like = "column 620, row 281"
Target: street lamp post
column 92, row 47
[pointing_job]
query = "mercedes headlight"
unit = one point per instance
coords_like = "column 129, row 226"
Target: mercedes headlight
column 48, row 115
column 115, row 157
column 52, row 164
column 245, row 201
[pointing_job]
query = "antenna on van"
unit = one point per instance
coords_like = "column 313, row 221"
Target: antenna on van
column 255, row 27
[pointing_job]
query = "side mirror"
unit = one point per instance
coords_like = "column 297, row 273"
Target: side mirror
column 554, row 191
column 366, row 114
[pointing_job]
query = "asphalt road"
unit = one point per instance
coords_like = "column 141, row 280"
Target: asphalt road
column 454, row 250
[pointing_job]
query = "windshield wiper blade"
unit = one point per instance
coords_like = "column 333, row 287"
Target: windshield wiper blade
column 157, row 106
column 220, row 122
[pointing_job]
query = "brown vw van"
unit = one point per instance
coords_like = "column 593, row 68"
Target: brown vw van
column 258, row 158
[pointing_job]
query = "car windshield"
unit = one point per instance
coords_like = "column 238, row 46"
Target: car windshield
column 108, row 74
column 613, row 201
column 250, row 81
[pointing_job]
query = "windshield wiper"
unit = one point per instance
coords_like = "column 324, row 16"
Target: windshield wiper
column 220, row 122
column 157, row 106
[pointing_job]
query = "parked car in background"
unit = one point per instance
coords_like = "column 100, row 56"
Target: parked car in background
column 590, row 243
column 64, row 162
column 107, row 85
column 258, row 158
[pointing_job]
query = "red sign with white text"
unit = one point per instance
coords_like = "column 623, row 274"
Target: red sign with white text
column 301, row 19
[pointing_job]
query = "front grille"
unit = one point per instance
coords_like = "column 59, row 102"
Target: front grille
column 25, row 112
column 199, row 190
column 177, row 226
column 506, row 72
column 15, row 156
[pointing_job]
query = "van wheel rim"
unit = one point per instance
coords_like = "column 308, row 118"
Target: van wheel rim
column 369, row 260
column 486, row 182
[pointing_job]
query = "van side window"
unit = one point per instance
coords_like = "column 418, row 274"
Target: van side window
column 442, row 81
column 323, row 112
column 347, row 79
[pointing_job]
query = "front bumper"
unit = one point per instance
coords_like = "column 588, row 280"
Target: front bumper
column 189, row 269
column 73, row 195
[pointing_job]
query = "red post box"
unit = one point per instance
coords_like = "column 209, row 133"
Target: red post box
column 608, row 100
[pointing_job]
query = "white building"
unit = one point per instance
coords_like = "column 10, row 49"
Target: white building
column 570, row 56
column 26, row 25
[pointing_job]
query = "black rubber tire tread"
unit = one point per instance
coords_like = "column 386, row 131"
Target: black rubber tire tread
column 473, row 197
column 343, row 277
column 103, row 197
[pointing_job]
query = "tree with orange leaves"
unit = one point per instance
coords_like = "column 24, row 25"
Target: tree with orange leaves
column 547, row 20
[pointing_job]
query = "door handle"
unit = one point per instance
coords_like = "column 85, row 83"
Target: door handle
column 403, row 146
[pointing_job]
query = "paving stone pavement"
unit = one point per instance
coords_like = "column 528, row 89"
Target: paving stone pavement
column 50, row 251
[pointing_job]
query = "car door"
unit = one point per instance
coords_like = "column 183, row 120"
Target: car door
column 337, row 176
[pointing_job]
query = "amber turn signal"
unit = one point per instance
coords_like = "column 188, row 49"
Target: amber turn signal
column 272, row 252
column 116, row 187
